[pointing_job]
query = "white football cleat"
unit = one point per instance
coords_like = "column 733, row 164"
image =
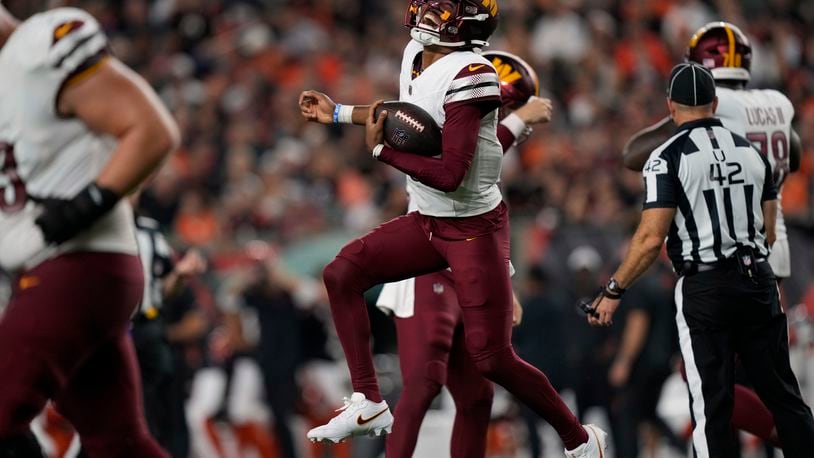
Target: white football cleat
column 358, row 417
column 594, row 448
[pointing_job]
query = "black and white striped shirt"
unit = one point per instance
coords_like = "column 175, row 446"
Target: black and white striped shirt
column 718, row 182
column 156, row 260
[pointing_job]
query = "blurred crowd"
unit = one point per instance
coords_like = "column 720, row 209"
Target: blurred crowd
column 270, row 198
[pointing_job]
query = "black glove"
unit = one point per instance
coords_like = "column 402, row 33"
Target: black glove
column 62, row 219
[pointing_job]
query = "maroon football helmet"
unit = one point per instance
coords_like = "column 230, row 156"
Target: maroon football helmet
column 518, row 81
column 452, row 23
column 722, row 48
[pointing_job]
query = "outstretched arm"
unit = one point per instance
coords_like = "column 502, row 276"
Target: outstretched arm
column 318, row 107
column 642, row 143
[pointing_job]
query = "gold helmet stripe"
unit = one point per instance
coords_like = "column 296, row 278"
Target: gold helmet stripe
column 696, row 37
column 731, row 37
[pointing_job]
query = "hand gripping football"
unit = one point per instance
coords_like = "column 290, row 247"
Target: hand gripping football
column 410, row 129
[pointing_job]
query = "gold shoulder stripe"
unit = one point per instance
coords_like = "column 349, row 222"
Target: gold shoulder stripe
column 65, row 28
column 85, row 73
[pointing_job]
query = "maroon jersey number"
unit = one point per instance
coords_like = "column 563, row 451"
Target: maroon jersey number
column 779, row 149
column 8, row 170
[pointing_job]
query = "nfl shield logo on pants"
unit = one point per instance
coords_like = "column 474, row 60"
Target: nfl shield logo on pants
column 438, row 288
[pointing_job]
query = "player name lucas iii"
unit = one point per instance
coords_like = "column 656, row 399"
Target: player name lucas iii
column 760, row 116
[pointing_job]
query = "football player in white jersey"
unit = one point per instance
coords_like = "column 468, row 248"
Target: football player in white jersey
column 764, row 117
column 429, row 327
column 461, row 221
column 78, row 131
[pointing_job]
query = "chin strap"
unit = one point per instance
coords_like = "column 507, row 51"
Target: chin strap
column 428, row 38
column 424, row 37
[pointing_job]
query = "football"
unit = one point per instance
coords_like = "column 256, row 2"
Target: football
column 410, row 129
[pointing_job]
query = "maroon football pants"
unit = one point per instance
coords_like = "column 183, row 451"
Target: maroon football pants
column 64, row 336
column 407, row 247
column 432, row 353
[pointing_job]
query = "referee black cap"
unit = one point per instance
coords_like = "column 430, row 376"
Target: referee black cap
column 691, row 84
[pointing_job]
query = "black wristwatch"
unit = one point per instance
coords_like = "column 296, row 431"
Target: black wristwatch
column 612, row 290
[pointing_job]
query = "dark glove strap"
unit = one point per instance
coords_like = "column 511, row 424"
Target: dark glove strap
column 63, row 219
column 94, row 201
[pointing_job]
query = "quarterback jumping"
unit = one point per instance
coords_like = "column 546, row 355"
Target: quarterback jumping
column 460, row 221
column 429, row 328
column 78, row 131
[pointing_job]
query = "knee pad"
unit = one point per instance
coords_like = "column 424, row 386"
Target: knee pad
column 436, row 372
column 477, row 343
column 433, row 376
column 424, row 385
column 495, row 362
column 476, row 399
column 342, row 273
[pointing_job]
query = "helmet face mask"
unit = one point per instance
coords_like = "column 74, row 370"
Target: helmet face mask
column 452, row 23
column 722, row 48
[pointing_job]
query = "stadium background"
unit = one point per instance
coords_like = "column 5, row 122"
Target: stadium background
column 250, row 169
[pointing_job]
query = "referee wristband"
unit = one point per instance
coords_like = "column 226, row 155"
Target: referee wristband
column 343, row 114
column 377, row 150
column 612, row 290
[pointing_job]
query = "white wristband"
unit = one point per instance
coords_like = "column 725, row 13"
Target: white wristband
column 346, row 114
column 515, row 125
column 377, row 150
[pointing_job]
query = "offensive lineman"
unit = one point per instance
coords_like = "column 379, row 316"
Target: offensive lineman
column 764, row 117
column 78, row 131
column 460, row 222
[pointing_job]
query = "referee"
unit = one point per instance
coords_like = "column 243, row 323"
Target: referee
column 711, row 194
column 163, row 279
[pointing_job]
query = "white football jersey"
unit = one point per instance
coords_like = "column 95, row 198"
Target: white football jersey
column 42, row 153
column 456, row 77
column 764, row 117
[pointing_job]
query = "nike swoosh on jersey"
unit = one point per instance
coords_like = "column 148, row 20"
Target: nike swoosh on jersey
column 473, row 68
column 362, row 421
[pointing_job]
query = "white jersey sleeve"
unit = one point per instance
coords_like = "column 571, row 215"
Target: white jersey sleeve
column 52, row 47
column 43, row 153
